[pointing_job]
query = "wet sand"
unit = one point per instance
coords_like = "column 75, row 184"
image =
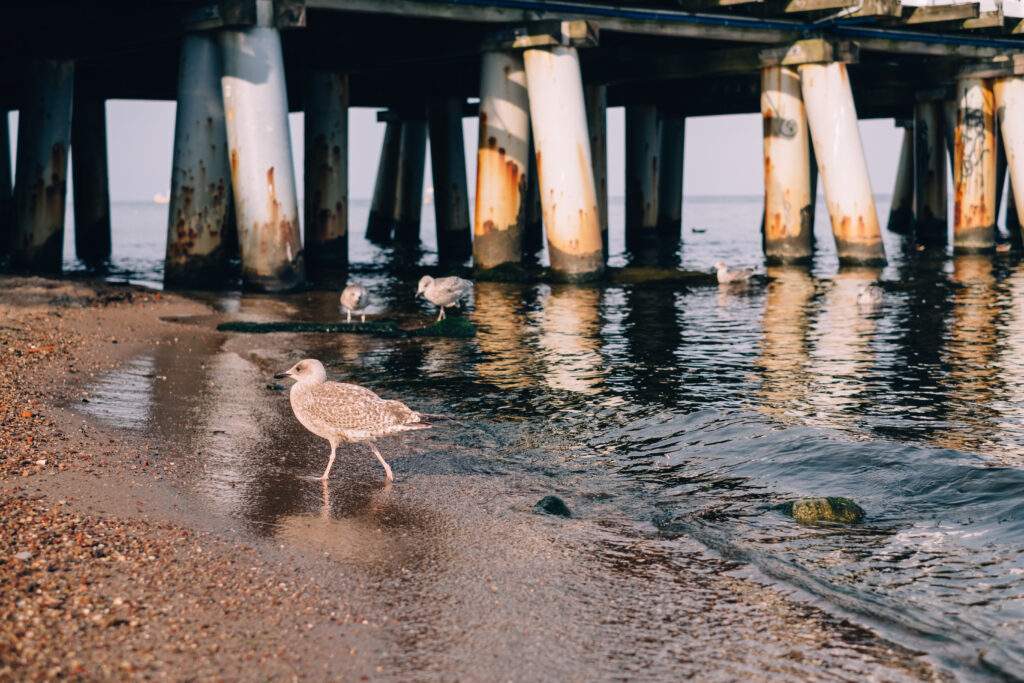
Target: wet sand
column 448, row 574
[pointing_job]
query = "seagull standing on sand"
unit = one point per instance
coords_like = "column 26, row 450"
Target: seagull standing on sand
column 444, row 292
column 346, row 412
column 355, row 298
column 730, row 277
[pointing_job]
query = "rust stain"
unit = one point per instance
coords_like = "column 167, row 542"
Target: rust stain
column 234, row 163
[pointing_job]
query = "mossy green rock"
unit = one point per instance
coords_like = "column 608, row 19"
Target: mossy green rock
column 816, row 510
column 449, row 327
column 378, row 327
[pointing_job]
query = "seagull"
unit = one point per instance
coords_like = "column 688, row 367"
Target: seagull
column 346, row 412
column 355, row 298
column 869, row 294
column 444, row 291
column 729, row 277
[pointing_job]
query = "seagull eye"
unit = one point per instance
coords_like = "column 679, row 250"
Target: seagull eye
column 299, row 368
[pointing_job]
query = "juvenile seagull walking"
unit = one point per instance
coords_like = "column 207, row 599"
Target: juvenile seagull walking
column 729, row 277
column 345, row 412
column 444, row 291
column 355, row 298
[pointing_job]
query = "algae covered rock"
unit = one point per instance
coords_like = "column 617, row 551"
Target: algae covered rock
column 454, row 326
column 816, row 510
column 383, row 327
column 552, row 505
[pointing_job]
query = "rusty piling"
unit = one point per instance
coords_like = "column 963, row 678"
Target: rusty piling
column 642, row 150
column 533, row 226
column 974, row 169
column 789, row 201
column 1009, row 101
column 412, row 159
column 451, row 193
column 832, row 120
column 930, row 222
column 381, row 223
column 502, row 161
column 595, row 98
column 326, row 170
column 564, row 164
column 263, row 176
column 901, row 210
column 200, row 215
column 40, row 178
column 89, row 166
column 671, row 138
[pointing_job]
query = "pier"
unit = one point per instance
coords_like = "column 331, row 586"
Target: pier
column 539, row 75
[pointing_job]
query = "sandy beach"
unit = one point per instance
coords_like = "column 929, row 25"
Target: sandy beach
column 112, row 567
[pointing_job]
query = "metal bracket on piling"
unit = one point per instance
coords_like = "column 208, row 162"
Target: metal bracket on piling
column 811, row 51
column 544, row 34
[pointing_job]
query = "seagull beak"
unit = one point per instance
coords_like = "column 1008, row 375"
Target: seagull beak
column 282, row 375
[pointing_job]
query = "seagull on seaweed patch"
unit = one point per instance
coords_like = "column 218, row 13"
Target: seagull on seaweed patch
column 344, row 413
column 444, row 292
column 355, row 298
column 732, row 277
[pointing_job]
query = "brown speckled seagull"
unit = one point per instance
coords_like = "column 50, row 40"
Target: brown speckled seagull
column 346, row 412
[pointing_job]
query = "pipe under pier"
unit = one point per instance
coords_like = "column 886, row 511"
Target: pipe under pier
column 539, row 75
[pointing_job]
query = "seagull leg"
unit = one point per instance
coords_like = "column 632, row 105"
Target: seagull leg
column 387, row 468
column 349, row 319
column 334, row 448
column 440, row 315
column 362, row 318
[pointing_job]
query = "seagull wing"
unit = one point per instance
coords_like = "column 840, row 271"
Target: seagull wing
column 453, row 288
column 340, row 407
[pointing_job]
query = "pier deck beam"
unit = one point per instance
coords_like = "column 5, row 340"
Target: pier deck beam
column 1009, row 99
column 263, row 176
column 789, row 204
column 671, row 138
column 92, row 190
column 200, row 216
column 974, row 169
column 930, row 222
column 502, row 161
column 642, row 150
column 40, row 179
column 901, row 211
column 381, row 223
column 412, row 159
column 832, row 119
column 564, row 163
column 326, row 170
column 451, row 194
column 595, row 97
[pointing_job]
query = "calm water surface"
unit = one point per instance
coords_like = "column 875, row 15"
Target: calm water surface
column 691, row 409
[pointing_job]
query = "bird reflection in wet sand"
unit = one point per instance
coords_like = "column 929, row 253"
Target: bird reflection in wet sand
column 346, row 412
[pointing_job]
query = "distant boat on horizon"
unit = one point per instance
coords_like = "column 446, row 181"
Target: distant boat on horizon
column 162, row 198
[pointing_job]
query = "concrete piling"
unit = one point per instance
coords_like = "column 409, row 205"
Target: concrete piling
column 263, row 177
column 89, row 167
column 974, row 169
column 789, row 212
column 381, row 223
column 564, row 164
column 533, row 227
column 6, row 198
column 930, row 224
column 451, row 194
column 412, row 159
column 671, row 137
column 40, row 179
column 1009, row 102
column 642, row 151
column 200, row 214
column 326, row 170
column 901, row 210
column 502, row 161
column 595, row 98
column 832, row 120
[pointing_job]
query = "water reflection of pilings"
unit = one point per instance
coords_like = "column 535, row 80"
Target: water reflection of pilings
column 785, row 346
column 653, row 335
column 569, row 339
column 501, row 319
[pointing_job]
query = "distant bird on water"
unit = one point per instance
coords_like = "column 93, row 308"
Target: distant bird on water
column 344, row 413
column 444, row 292
column 869, row 294
column 729, row 277
column 355, row 298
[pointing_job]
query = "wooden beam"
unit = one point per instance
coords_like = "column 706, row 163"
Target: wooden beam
column 810, row 51
column 544, row 34
column 985, row 20
column 938, row 13
column 792, row 6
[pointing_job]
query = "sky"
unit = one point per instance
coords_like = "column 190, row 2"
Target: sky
column 723, row 154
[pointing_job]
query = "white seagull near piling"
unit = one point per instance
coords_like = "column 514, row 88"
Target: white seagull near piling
column 730, row 277
column 346, row 412
column 444, row 292
column 355, row 298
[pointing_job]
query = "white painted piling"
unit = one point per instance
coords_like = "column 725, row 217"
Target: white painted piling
column 789, row 212
column 448, row 165
column 502, row 163
column 40, row 178
column 1009, row 101
column 263, row 176
column 564, row 164
column 974, row 167
column 930, row 220
column 200, row 213
column 326, row 170
column 832, row 120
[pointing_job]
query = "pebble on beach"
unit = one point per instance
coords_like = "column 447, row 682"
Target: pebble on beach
column 816, row 510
